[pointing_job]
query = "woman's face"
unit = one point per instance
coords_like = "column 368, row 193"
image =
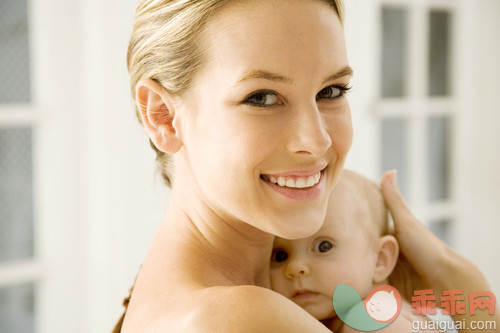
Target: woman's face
column 267, row 126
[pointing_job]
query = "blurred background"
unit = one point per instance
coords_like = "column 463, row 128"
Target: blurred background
column 79, row 196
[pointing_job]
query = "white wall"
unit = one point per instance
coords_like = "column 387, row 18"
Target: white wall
column 57, row 58
column 99, row 201
column 125, row 201
column 363, row 52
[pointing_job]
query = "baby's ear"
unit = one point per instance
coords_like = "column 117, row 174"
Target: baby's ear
column 388, row 251
column 157, row 112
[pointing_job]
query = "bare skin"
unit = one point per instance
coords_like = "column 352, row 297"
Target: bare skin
column 438, row 266
column 201, row 287
column 208, row 266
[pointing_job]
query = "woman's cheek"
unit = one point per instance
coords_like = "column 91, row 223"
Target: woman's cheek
column 345, row 137
column 341, row 131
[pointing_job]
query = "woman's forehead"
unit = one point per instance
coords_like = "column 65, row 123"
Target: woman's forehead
column 279, row 37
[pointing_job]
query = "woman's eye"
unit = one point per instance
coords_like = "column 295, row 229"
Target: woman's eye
column 332, row 92
column 263, row 99
column 279, row 256
column 323, row 246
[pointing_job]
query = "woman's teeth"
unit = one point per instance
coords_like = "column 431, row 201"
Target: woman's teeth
column 300, row 182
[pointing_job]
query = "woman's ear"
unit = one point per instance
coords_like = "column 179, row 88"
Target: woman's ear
column 157, row 112
column 388, row 251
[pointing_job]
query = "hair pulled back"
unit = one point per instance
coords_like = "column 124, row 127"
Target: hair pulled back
column 166, row 45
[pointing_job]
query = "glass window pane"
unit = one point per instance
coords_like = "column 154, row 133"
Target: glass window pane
column 14, row 52
column 394, row 51
column 394, row 147
column 439, row 157
column 16, row 194
column 17, row 313
column 442, row 229
column 439, row 56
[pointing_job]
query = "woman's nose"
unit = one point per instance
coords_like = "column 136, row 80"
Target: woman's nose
column 309, row 132
column 296, row 268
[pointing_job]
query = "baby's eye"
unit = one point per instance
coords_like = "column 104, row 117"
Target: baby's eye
column 263, row 98
column 279, row 255
column 323, row 246
column 332, row 92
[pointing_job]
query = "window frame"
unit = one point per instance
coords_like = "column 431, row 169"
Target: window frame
column 27, row 115
column 418, row 106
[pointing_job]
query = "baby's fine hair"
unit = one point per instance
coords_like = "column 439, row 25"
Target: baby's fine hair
column 167, row 46
column 403, row 273
column 369, row 193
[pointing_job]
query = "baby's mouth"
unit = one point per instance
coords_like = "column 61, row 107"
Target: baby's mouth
column 304, row 293
column 294, row 181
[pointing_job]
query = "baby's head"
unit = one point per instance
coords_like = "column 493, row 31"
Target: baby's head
column 352, row 247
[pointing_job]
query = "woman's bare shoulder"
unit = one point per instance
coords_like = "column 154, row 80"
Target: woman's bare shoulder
column 238, row 309
column 250, row 309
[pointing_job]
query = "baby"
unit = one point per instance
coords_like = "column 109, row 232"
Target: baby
column 353, row 247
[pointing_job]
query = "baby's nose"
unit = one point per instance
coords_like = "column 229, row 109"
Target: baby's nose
column 296, row 268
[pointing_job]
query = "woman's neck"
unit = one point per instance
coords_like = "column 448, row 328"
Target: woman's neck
column 223, row 251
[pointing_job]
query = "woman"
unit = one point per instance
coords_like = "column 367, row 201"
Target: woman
column 244, row 102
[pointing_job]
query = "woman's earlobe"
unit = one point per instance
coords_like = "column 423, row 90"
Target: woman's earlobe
column 388, row 252
column 157, row 112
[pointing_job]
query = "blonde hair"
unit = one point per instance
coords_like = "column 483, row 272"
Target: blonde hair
column 167, row 46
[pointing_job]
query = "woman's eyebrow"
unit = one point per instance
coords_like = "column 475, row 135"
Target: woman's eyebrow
column 262, row 74
column 345, row 71
column 266, row 75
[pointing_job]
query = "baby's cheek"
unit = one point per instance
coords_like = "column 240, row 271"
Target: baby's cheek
column 275, row 279
column 278, row 281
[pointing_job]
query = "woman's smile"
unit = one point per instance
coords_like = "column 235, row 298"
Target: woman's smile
column 297, row 187
column 294, row 181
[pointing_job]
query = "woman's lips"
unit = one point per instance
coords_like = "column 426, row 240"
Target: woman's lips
column 297, row 187
column 294, row 181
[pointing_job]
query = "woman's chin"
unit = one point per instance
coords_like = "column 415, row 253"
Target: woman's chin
column 298, row 226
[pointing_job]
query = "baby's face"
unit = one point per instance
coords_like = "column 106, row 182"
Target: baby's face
column 308, row 270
